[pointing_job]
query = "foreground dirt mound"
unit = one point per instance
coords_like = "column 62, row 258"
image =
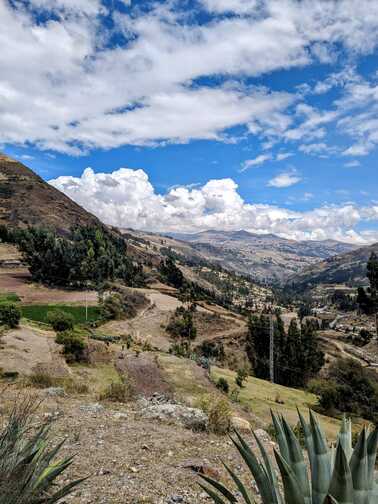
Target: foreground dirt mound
column 144, row 373
column 27, row 351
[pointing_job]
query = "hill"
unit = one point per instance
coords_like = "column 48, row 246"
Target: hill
column 348, row 268
column 264, row 257
column 27, row 200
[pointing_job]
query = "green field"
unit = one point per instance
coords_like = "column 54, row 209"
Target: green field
column 38, row 313
column 9, row 297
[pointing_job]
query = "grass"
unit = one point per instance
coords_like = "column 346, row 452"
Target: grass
column 9, row 297
column 38, row 312
column 261, row 396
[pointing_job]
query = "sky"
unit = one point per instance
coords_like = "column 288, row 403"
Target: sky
column 187, row 115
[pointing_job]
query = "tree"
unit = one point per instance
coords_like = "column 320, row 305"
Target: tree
column 372, row 274
column 240, row 377
column 60, row 320
column 10, row 314
column 171, row 273
column 297, row 356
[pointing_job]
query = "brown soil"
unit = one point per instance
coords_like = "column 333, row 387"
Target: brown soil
column 26, row 350
column 19, row 281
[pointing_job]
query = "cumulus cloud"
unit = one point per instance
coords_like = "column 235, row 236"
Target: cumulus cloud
column 84, row 91
column 126, row 198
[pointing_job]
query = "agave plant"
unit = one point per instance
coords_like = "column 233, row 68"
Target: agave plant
column 28, row 470
column 336, row 475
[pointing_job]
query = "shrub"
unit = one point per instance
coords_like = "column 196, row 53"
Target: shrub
column 60, row 320
column 343, row 477
column 117, row 392
column 28, row 471
column 42, row 379
column 181, row 324
column 10, row 314
column 122, row 303
column 240, row 377
column 73, row 346
column 218, row 410
column 222, row 384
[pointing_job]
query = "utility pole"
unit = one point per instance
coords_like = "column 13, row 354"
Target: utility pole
column 271, row 348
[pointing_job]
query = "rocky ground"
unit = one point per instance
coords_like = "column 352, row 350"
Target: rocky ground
column 130, row 456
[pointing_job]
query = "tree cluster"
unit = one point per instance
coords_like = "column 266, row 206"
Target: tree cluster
column 88, row 256
column 297, row 356
column 349, row 388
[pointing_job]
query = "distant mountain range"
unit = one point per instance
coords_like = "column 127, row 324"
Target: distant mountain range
column 348, row 268
column 265, row 257
column 27, row 200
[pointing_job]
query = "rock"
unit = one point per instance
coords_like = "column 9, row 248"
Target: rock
column 175, row 498
column 92, row 408
column 263, row 435
column 191, row 418
column 240, row 424
column 201, row 467
column 54, row 391
column 120, row 416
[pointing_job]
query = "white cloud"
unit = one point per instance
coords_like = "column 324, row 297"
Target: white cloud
column 352, row 164
column 82, row 93
column 259, row 160
column 283, row 155
column 126, row 198
column 285, row 179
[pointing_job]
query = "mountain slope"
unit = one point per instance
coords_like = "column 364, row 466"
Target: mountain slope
column 27, row 200
column 264, row 257
column 347, row 268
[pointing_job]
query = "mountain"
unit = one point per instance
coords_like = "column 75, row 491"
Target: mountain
column 349, row 268
column 265, row 257
column 27, row 200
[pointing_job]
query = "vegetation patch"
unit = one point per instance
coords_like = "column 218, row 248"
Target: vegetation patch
column 39, row 312
column 9, row 297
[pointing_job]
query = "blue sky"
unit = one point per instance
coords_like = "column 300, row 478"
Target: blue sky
column 227, row 114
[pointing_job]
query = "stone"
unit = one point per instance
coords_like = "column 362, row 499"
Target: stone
column 240, row 424
column 54, row 391
column 191, row 418
column 263, row 435
column 92, row 408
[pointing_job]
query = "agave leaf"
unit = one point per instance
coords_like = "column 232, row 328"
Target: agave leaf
column 359, row 469
column 321, row 470
column 345, row 437
column 64, row 491
column 270, row 471
column 330, row 500
column 241, row 487
column 341, row 486
column 281, row 438
column 297, row 462
column 308, row 438
column 372, row 447
column 292, row 488
column 261, row 478
column 221, row 488
column 213, row 495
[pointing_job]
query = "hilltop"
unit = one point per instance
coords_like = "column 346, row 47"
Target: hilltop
column 27, row 200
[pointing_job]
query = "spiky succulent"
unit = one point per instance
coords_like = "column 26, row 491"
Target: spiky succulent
column 28, row 470
column 336, row 475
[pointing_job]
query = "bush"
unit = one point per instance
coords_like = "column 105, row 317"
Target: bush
column 122, row 303
column 181, row 324
column 117, row 392
column 218, row 410
column 60, row 320
column 240, row 377
column 73, row 346
column 222, row 384
column 350, row 388
column 42, row 379
column 10, row 314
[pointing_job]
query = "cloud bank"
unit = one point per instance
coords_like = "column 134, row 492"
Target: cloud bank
column 71, row 82
column 126, row 198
